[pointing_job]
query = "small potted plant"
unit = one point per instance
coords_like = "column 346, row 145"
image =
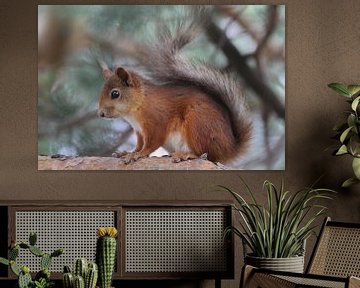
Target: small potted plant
column 348, row 132
column 84, row 274
column 42, row 278
column 106, row 254
column 276, row 233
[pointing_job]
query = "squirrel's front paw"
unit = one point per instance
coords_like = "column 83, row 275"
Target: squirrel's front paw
column 118, row 154
column 132, row 157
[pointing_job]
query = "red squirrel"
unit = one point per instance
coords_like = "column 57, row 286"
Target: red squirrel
column 188, row 108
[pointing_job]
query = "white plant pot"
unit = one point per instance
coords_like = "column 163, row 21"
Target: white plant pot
column 291, row 264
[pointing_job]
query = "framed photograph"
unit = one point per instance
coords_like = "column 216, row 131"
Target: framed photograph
column 161, row 87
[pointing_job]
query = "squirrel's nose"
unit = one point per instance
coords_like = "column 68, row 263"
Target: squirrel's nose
column 101, row 114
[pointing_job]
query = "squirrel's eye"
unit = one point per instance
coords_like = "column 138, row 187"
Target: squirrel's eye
column 115, row 94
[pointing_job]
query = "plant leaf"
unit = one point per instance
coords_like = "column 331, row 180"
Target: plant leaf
column 355, row 103
column 351, row 119
column 356, row 167
column 345, row 134
column 342, row 150
column 340, row 89
column 279, row 228
column 4, row 261
column 14, row 268
column 349, row 182
column 353, row 89
column 354, row 143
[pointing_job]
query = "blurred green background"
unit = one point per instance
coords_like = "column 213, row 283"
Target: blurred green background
column 71, row 38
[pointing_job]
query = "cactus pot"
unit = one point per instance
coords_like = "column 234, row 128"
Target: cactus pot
column 291, row 264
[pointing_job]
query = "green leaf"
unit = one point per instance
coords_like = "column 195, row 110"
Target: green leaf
column 353, row 89
column 342, row 150
column 355, row 103
column 351, row 120
column 4, row 261
column 14, row 268
column 349, row 182
column 340, row 88
column 345, row 134
column 280, row 227
column 356, row 167
column 354, row 144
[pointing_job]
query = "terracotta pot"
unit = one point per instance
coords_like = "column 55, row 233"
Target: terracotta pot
column 291, row 264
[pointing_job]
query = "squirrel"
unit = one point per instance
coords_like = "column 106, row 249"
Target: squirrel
column 190, row 109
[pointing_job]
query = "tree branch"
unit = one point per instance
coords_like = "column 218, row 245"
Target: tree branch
column 110, row 163
column 216, row 35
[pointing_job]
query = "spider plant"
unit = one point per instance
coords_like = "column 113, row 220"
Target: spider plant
column 279, row 229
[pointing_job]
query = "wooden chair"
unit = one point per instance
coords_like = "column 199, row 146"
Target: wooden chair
column 334, row 263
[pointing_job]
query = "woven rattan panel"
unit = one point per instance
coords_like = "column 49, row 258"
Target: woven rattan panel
column 75, row 231
column 175, row 241
column 311, row 282
column 338, row 253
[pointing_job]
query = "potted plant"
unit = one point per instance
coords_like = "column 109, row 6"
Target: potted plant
column 42, row 278
column 276, row 233
column 106, row 254
column 84, row 274
column 348, row 132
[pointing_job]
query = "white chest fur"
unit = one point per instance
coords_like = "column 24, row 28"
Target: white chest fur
column 176, row 143
column 134, row 123
column 173, row 143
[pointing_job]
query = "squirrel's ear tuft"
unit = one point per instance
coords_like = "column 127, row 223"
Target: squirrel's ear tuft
column 124, row 76
column 107, row 73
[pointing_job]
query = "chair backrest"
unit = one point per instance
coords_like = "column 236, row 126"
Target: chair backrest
column 337, row 251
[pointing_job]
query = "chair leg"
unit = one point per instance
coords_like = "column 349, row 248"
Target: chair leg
column 246, row 273
column 354, row 282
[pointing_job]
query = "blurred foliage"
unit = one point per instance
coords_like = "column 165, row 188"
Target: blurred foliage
column 71, row 39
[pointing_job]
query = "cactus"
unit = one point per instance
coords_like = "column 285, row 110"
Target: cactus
column 36, row 251
column 89, row 272
column 13, row 253
column 80, row 267
column 57, row 253
column 45, row 261
column 79, row 282
column 68, row 280
column 24, row 277
column 67, row 269
column 32, row 238
column 105, row 254
column 42, row 278
column 91, row 276
column 24, row 245
column 44, row 273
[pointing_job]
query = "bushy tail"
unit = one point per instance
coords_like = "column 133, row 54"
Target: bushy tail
column 169, row 67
